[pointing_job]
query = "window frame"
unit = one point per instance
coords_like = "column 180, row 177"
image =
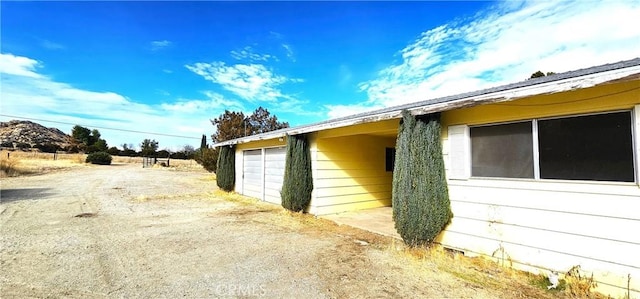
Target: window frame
column 534, row 161
column 633, row 112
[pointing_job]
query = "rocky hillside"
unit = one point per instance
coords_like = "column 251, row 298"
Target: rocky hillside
column 18, row 133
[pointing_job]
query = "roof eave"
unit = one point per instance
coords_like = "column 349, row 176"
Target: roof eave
column 432, row 106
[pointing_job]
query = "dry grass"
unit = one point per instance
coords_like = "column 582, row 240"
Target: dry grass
column 475, row 272
column 486, row 273
column 17, row 163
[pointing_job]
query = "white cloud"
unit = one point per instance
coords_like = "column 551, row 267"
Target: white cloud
column 52, row 45
column 252, row 82
column 505, row 44
column 215, row 101
column 289, row 52
column 27, row 93
column 250, row 54
column 18, row 65
column 159, row 44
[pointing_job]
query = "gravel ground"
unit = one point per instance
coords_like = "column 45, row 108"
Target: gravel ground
column 124, row 231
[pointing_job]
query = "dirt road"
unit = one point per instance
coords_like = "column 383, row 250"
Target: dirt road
column 124, row 231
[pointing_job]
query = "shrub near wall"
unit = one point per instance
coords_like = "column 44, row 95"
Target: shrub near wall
column 100, row 158
column 421, row 207
column 226, row 172
column 298, row 180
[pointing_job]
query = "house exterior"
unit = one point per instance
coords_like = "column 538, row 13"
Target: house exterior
column 543, row 174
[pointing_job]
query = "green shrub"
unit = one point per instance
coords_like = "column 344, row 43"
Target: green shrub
column 208, row 158
column 226, row 173
column 421, row 207
column 298, row 180
column 100, row 158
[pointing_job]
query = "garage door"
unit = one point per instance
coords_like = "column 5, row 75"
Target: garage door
column 273, row 174
column 252, row 173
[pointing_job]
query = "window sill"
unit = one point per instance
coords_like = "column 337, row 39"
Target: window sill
column 595, row 187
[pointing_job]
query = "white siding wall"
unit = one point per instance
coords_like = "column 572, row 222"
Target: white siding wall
column 547, row 224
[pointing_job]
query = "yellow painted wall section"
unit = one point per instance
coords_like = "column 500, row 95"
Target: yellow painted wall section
column 386, row 127
column 263, row 143
column 349, row 173
column 606, row 97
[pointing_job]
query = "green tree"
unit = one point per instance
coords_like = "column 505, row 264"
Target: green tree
column 261, row 121
column 229, row 125
column 114, row 151
column 88, row 140
column 232, row 125
column 226, row 172
column 99, row 146
column 203, row 142
column 185, row 153
column 298, row 180
column 539, row 74
column 81, row 135
column 148, row 148
column 420, row 197
column 165, row 153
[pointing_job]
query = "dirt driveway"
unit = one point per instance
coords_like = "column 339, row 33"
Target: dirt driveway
column 124, row 231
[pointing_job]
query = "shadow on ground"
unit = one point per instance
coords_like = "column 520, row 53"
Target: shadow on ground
column 9, row 195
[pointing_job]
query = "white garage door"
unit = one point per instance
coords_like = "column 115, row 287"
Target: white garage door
column 252, row 173
column 273, row 174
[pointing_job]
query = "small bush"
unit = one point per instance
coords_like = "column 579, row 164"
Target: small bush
column 100, row 158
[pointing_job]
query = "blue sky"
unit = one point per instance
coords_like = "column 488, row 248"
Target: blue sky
column 170, row 67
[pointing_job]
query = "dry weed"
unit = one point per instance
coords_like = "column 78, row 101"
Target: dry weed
column 9, row 167
column 489, row 273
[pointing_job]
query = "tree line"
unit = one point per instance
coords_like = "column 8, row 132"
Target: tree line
column 90, row 141
column 229, row 125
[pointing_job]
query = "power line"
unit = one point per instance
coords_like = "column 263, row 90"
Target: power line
column 104, row 128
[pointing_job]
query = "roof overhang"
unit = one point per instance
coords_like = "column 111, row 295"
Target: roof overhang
column 628, row 71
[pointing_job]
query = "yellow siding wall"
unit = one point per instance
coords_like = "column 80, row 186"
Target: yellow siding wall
column 349, row 173
column 262, row 143
column 605, row 97
column 550, row 224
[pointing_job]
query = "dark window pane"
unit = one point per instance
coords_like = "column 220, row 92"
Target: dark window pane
column 502, row 151
column 593, row 147
column 390, row 158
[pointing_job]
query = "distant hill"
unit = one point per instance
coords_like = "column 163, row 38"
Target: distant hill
column 22, row 133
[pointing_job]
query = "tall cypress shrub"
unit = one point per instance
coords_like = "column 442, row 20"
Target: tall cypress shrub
column 420, row 197
column 298, row 180
column 226, row 172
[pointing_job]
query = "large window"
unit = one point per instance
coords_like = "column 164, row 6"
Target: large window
column 591, row 147
column 502, row 151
